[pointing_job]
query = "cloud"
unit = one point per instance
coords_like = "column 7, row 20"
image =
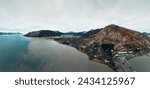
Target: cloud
column 73, row 15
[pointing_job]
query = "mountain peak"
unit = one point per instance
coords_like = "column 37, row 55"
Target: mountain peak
column 112, row 26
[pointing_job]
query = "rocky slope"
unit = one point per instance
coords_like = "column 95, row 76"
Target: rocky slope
column 122, row 38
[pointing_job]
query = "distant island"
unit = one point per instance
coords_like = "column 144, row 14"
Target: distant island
column 47, row 33
column 9, row 33
column 146, row 33
column 43, row 33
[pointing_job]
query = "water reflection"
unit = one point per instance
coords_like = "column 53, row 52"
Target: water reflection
column 12, row 50
column 48, row 55
column 18, row 53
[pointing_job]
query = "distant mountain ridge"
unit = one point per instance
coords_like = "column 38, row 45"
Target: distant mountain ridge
column 43, row 33
column 46, row 33
column 91, row 32
column 146, row 33
column 75, row 33
column 9, row 33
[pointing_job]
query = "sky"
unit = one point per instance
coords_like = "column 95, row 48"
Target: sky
column 73, row 15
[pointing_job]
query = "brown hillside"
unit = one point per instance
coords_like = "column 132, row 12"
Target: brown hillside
column 122, row 38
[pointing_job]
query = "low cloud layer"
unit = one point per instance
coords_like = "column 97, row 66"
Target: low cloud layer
column 73, row 15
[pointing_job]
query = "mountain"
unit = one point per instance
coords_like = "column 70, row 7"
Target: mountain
column 105, row 43
column 46, row 33
column 122, row 38
column 84, row 33
column 43, row 33
column 91, row 32
column 75, row 33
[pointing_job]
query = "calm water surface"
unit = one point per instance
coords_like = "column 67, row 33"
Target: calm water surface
column 19, row 53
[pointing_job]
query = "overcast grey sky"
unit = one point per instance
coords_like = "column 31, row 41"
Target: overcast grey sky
column 73, row 15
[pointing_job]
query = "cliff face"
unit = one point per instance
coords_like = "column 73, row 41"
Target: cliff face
column 122, row 38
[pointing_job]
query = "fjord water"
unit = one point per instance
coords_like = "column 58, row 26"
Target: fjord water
column 19, row 53
column 12, row 50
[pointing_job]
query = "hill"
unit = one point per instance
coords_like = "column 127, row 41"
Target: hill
column 122, row 38
column 43, row 33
